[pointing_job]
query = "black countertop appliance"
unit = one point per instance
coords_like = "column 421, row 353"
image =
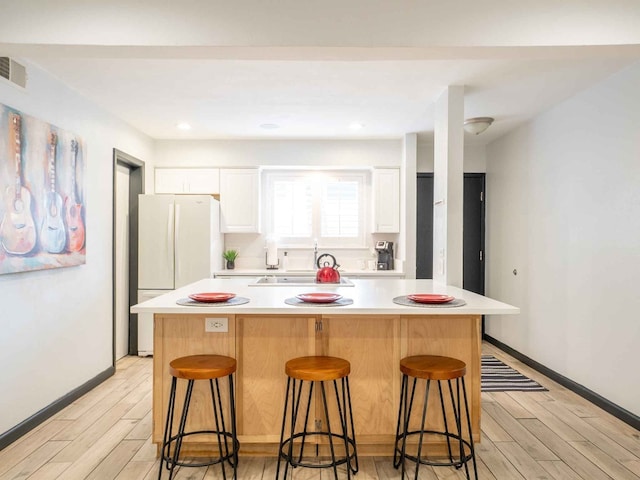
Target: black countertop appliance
column 385, row 255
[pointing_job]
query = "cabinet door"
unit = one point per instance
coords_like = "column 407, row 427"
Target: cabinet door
column 203, row 180
column 240, row 200
column 386, row 200
column 264, row 344
column 187, row 180
column 170, row 180
column 371, row 345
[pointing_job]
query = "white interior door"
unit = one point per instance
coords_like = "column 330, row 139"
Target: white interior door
column 122, row 261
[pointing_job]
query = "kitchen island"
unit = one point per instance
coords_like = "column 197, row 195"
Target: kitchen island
column 373, row 333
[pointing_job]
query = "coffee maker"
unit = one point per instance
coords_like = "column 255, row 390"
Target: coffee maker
column 385, row 255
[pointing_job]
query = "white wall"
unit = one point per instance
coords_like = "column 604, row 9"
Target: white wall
column 57, row 324
column 474, row 158
column 563, row 208
column 253, row 153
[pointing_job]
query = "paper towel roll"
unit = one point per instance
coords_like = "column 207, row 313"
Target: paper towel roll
column 272, row 252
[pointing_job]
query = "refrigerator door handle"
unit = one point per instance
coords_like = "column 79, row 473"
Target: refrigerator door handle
column 170, row 235
column 176, row 237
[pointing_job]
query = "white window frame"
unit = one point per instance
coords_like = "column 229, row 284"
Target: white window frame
column 363, row 177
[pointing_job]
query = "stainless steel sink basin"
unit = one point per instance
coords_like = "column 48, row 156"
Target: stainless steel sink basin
column 293, row 281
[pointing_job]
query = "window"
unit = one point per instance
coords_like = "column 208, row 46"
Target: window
column 306, row 205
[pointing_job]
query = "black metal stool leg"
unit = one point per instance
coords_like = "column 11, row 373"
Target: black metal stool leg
column 306, row 419
column 215, row 415
column 422, row 424
column 295, row 405
column 222, row 422
column 234, row 434
column 165, row 450
column 405, row 424
column 284, row 421
column 326, row 414
column 397, row 450
column 444, row 416
column 471, row 445
column 342, row 415
column 353, row 430
column 183, row 423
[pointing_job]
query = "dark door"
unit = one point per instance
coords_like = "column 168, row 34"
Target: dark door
column 473, row 233
column 424, row 226
column 473, row 230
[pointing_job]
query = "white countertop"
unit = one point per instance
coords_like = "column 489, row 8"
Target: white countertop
column 370, row 296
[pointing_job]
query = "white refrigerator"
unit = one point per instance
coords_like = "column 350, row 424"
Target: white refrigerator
column 179, row 242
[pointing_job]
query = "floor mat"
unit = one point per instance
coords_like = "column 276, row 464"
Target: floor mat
column 498, row 377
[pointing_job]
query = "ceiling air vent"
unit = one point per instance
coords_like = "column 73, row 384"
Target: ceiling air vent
column 13, row 71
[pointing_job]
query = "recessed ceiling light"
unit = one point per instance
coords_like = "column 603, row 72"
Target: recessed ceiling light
column 356, row 126
column 183, row 126
column 269, row 126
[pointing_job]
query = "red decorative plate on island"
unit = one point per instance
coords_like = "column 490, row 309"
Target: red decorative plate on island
column 211, row 297
column 319, row 297
column 430, row 298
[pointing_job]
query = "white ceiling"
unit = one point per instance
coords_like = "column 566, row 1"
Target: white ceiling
column 161, row 78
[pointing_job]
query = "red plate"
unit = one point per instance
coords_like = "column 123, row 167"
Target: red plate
column 319, row 297
column 430, row 298
column 211, row 297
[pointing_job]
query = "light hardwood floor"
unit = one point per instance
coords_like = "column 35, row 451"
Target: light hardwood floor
column 533, row 436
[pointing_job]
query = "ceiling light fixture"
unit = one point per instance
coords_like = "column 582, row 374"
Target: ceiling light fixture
column 183, row 126
column 477, row 125
column 356, row 126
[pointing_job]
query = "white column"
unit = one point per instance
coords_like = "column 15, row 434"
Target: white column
column 448, row 186
column 408, row 203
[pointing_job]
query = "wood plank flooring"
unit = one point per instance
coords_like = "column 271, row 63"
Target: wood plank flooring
column 553, row 435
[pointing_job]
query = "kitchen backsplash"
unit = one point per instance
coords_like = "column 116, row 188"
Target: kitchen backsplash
column 251, row 253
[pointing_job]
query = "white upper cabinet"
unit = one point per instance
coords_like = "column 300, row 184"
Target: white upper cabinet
column 386, row 200
column 187, row 180
column 240, row 200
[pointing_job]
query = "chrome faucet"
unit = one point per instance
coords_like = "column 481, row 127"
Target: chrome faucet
column 315, row 254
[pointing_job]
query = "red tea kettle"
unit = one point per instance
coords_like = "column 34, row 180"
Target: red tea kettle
column 327, row 269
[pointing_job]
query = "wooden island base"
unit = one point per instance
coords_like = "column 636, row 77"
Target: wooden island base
column 373, row 344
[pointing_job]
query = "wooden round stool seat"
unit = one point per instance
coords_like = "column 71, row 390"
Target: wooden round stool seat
column 433, row 367
column 316, row 369
column 202, row 367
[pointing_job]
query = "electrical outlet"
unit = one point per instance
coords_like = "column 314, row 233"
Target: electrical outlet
column 220, row 324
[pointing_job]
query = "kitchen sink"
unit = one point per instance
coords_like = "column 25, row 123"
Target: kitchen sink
column 296, row 281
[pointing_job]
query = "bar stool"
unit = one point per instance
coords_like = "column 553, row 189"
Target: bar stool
column 430, row 367
column 192, row 368
column 318, row 369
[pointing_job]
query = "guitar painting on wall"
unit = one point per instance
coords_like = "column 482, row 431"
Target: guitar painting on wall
column 73, row 207
column 53, row 237
column 42, row 217
column 17, row 230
